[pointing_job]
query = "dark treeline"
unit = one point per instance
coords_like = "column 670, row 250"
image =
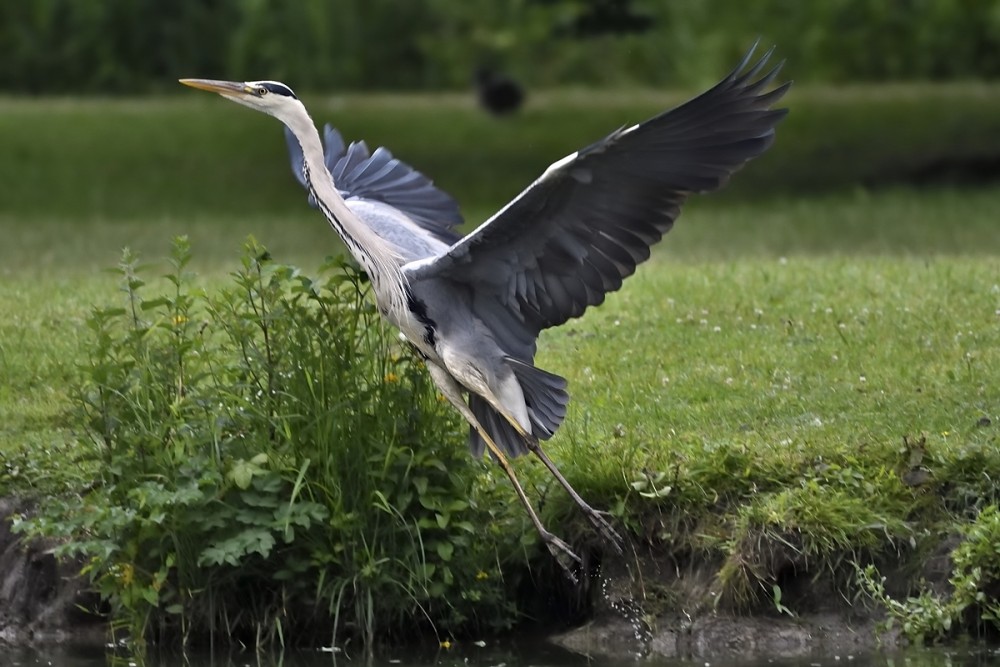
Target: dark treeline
column 128, row 46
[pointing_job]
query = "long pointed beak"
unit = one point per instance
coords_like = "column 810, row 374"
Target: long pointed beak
column 231, row 88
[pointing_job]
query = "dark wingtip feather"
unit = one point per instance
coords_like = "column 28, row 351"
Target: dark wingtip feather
column 758, row 66
column 734, row 74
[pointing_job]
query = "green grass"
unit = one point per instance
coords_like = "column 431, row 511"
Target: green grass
column 41, row 341
column 788, row 358
column 716, row 257
column 764, row 414
column 51, row 278
column 894, row 222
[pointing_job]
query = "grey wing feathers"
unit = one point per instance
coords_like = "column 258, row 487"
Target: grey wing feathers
column 359, row 173
column 581, row 228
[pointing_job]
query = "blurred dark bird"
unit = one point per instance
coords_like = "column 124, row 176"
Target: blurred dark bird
column 473, row 307
column 497, row 92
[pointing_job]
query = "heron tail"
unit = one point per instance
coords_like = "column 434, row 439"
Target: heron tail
column 545, row 394
column 546, row 397
column 498, row 427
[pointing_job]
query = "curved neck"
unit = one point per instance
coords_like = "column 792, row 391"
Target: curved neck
column 379, row 260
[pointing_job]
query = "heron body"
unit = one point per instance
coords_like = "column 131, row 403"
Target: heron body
column 472, row 307
column 435, row 315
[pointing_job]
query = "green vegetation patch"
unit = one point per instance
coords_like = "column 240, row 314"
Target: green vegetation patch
column 783, row 419
column 264, row 461
column 264, row 445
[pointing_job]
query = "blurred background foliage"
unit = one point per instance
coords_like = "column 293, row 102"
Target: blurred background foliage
column 132, row 46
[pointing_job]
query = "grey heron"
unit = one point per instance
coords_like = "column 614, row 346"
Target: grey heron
column 473, row 307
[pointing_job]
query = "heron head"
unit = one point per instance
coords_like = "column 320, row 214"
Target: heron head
column 271, row 97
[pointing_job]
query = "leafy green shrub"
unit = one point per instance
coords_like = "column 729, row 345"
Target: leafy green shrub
column 974, row 599
column 976, row 574
column 268, row 461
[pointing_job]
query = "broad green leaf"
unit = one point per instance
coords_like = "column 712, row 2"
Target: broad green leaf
column 421, row 484
column 241, row 474
column 445, row 550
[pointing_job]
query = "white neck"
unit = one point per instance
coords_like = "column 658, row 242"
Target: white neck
column 379, row 260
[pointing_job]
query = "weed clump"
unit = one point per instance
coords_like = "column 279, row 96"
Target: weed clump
column 971, row 605
column 267, row 462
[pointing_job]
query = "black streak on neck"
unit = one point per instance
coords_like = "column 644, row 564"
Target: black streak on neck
column 419, row 310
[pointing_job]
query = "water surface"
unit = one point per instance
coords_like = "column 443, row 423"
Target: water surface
column 533, row 655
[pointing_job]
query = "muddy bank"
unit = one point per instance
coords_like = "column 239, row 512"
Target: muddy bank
column 647, row 607
column 41, row 599
column 654, row 606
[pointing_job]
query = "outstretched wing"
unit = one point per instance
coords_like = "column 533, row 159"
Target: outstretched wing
column 584, row 225
column 361, row 174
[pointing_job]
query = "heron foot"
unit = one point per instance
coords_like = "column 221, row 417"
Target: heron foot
column 595, row 517
column 562, row 553
column 604, row 527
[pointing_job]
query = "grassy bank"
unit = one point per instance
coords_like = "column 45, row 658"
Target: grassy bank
column 790, row 387
column 840, row 405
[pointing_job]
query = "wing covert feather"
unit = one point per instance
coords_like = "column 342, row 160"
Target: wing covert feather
column 361, row 174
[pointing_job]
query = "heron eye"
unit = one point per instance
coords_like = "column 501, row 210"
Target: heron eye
column 261, row 90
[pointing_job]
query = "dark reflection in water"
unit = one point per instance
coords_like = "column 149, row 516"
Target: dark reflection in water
column 523, row 655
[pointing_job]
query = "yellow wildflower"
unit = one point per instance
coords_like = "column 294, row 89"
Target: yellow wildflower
column 178, row 320
column 482, row 575
column 391, row 377
column 446, row 644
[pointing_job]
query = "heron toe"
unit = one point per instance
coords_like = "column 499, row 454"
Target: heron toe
column 562, row 553
column 604, row 527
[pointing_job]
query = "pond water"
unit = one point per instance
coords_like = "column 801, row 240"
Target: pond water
column 535, row 655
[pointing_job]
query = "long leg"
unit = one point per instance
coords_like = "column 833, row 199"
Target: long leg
column 596, row 518
column 561, row 551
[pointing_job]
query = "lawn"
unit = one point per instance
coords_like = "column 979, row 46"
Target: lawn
column 782, row 366
column 834, row 245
